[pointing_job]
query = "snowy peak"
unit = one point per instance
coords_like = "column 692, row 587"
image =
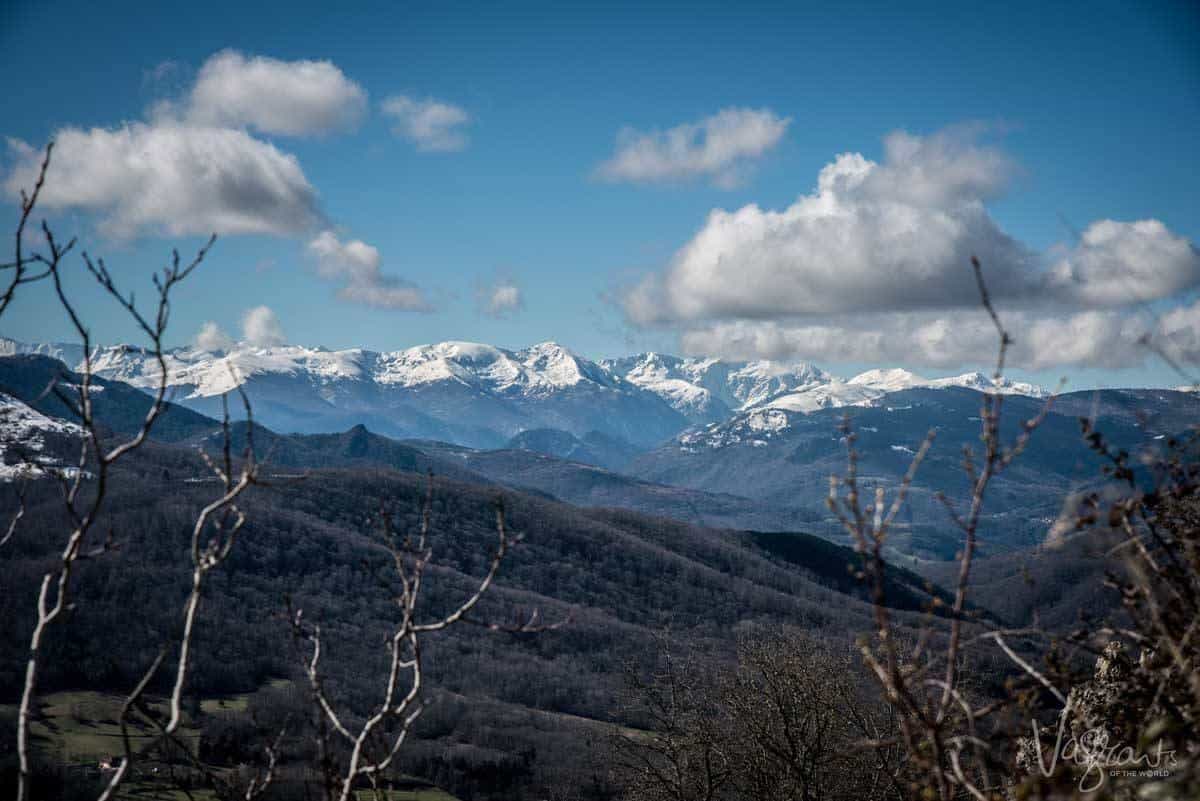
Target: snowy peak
column 707, row 389
column 758, row 422
column 463, row 362
column 753, row 383
column 985, row 383
column 204, row 374
column 679, row 382
column 897, row 379
column 830, row 395
column 67, row 353
column 554, row 366
column 892, row 380
column 540, row 369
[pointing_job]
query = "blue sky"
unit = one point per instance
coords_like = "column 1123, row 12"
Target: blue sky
column 1095, row 112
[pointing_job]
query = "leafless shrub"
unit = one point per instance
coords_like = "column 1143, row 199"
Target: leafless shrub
column 783, row 723
column 683, row 753
column 960, row 743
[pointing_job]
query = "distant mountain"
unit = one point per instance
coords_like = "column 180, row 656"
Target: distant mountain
column 454, row 391
column 896, row 379
column 588, row 485
column 482, row 396
column 593, row 448
column 710, row 390
column 550, row 462
column 707, row 390
column 549, row 422
column 783, row 452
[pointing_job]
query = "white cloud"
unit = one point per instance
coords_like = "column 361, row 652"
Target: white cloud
column 431, row 124
column 261, row 328
column 719, row 147
column 1118, row 263
column 174, row 179
column 357, row 265
column 1108, row 338
column 501, row 299
column 1178, row 334
column 211, row 338
column 294, row 98
column 193, row 167
column 336, row 259
column 899, row 236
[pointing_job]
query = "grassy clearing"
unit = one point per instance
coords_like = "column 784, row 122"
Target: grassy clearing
column 80, row 727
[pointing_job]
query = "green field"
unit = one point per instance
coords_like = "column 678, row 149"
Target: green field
column 80, row 728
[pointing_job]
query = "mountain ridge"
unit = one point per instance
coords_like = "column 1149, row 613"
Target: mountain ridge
column 481, row 395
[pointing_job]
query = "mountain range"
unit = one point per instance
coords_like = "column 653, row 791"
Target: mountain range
column 726, row 444
column 483, row 396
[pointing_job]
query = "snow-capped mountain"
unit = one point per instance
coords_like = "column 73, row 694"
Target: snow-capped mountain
column 23, row 435
column 760, row 421
column 709, row 390
column 65, row 352
column 461, row 392
column 713, row 391
column 682, row 383
column 897, row 379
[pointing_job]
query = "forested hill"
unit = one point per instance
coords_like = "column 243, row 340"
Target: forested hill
column 619, row 576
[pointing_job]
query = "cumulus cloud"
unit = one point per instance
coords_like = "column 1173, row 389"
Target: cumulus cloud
column 502, row 298
column 430, row 124
column 293, row 98
column 1117, row 263
column 174, row 179
column 1178, row 334
column 211, row 338
column 720, row 147
column 1096, row 338
column 194, row 167
column 897, row 236
column 261, row 328
column 358, row 266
